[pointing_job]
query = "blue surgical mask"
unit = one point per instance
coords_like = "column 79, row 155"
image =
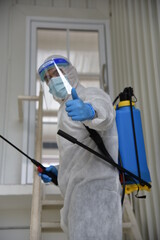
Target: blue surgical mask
column 57, row 88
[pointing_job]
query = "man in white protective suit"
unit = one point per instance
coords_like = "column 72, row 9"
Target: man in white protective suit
column 90, row 186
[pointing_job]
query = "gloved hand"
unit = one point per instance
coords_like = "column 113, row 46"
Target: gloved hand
column 78, row 110
column 46, row 178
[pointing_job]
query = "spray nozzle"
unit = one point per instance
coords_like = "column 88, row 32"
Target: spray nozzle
column 127, row 94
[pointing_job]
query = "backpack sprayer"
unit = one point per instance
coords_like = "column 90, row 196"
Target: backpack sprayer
column 134, row 173
column 39, row 166
column 132, row 155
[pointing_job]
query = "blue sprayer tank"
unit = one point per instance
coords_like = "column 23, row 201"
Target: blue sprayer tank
column 127, row 143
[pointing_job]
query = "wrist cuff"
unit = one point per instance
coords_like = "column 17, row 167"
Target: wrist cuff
column 92, row 111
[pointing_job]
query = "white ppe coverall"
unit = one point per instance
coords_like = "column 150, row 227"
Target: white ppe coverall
column 89, row 185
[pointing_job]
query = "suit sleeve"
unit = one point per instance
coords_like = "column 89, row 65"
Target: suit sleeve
column 102, row 104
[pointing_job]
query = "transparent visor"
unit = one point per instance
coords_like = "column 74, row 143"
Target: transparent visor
column 52, row 69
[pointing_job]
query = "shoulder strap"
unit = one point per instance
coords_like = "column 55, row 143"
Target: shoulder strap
column 99, row 142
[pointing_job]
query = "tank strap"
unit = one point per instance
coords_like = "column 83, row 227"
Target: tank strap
column 99, row 142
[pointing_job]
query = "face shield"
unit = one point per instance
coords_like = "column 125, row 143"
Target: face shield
column 52, row 71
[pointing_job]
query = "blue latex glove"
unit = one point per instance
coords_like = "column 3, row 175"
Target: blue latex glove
column 78, row 110
column 46, row 178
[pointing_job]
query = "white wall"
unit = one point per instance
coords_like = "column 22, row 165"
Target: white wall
column 135, row 28
column 12, row 70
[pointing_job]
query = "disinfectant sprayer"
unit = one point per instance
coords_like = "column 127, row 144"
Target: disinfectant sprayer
column 39, row 166
column 132, row 155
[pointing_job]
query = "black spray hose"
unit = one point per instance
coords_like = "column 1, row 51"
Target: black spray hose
column 123, row 179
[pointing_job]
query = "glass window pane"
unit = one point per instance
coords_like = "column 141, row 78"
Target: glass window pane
column 84, row 51
column 50, row 42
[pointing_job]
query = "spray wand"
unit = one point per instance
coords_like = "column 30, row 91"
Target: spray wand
column 40, row 167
